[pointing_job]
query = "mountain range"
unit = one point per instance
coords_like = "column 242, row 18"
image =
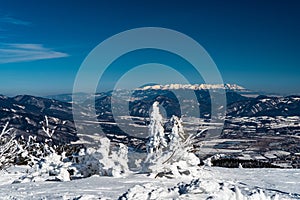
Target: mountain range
column 26, row 113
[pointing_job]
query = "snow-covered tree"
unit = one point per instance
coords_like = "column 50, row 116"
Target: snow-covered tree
column 104, row 161
column 119, row 155
column 49, row 131
column 157, row 140
column 52, row 167
column 8, row 147
column 177, row 136
column 19, row 150
column 173, row 158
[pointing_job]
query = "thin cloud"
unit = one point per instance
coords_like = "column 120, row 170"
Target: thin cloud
column 12, row 53
column 12, row 20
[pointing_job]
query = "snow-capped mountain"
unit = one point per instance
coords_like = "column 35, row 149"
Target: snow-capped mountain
column 232, row 87
column 26, row 113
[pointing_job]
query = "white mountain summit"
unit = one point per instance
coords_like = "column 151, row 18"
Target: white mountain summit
column 233, row 87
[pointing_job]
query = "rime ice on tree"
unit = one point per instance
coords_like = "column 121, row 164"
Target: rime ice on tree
column 7, row 147
column 173, row 158
column 177, row 135
column 157, row 139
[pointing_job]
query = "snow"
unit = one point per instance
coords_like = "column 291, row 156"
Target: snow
column 215, row 182
column 22, row 107
column 284, row 180
column 194, row 87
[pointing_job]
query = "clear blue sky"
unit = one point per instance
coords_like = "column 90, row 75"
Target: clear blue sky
column 254, row 43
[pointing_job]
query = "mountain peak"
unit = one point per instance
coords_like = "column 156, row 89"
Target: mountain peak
column 227, row 86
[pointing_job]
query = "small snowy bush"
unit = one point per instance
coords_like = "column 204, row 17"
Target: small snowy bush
column 53, row 167
column 21, row 151
column 103, row 161
column 30, row 151
column 8, row 147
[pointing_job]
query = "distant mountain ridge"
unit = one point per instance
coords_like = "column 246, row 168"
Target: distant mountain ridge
column 25, row 113
column 196, row 87
column 233, row 87
column 266, row 124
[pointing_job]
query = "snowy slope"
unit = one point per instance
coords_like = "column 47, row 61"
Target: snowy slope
column 214, row 183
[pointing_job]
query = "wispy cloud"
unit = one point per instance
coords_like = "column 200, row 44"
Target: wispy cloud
column 12, row 20
column 11, row 53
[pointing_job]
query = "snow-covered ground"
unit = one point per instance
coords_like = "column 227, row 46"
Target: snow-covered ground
column 213, row 182
column 169, row 170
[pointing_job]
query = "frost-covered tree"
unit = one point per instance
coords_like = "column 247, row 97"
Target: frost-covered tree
column 177, row 135
column 157, row 140
column 119, row 156
column 8, row 147
column 31, row 151
column 46, row 129
column 19, row 150
column 173, row 158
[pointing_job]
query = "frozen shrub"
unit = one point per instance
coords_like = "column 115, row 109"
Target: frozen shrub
column 103, row 161
column 120, row 158
column 53, row 167
column 30, row 151
column 8, row 147
column 177, row 136
column 85, row 163
column 21, row 151
column 46, row 128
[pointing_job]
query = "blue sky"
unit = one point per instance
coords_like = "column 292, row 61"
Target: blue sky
column 254, row 43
